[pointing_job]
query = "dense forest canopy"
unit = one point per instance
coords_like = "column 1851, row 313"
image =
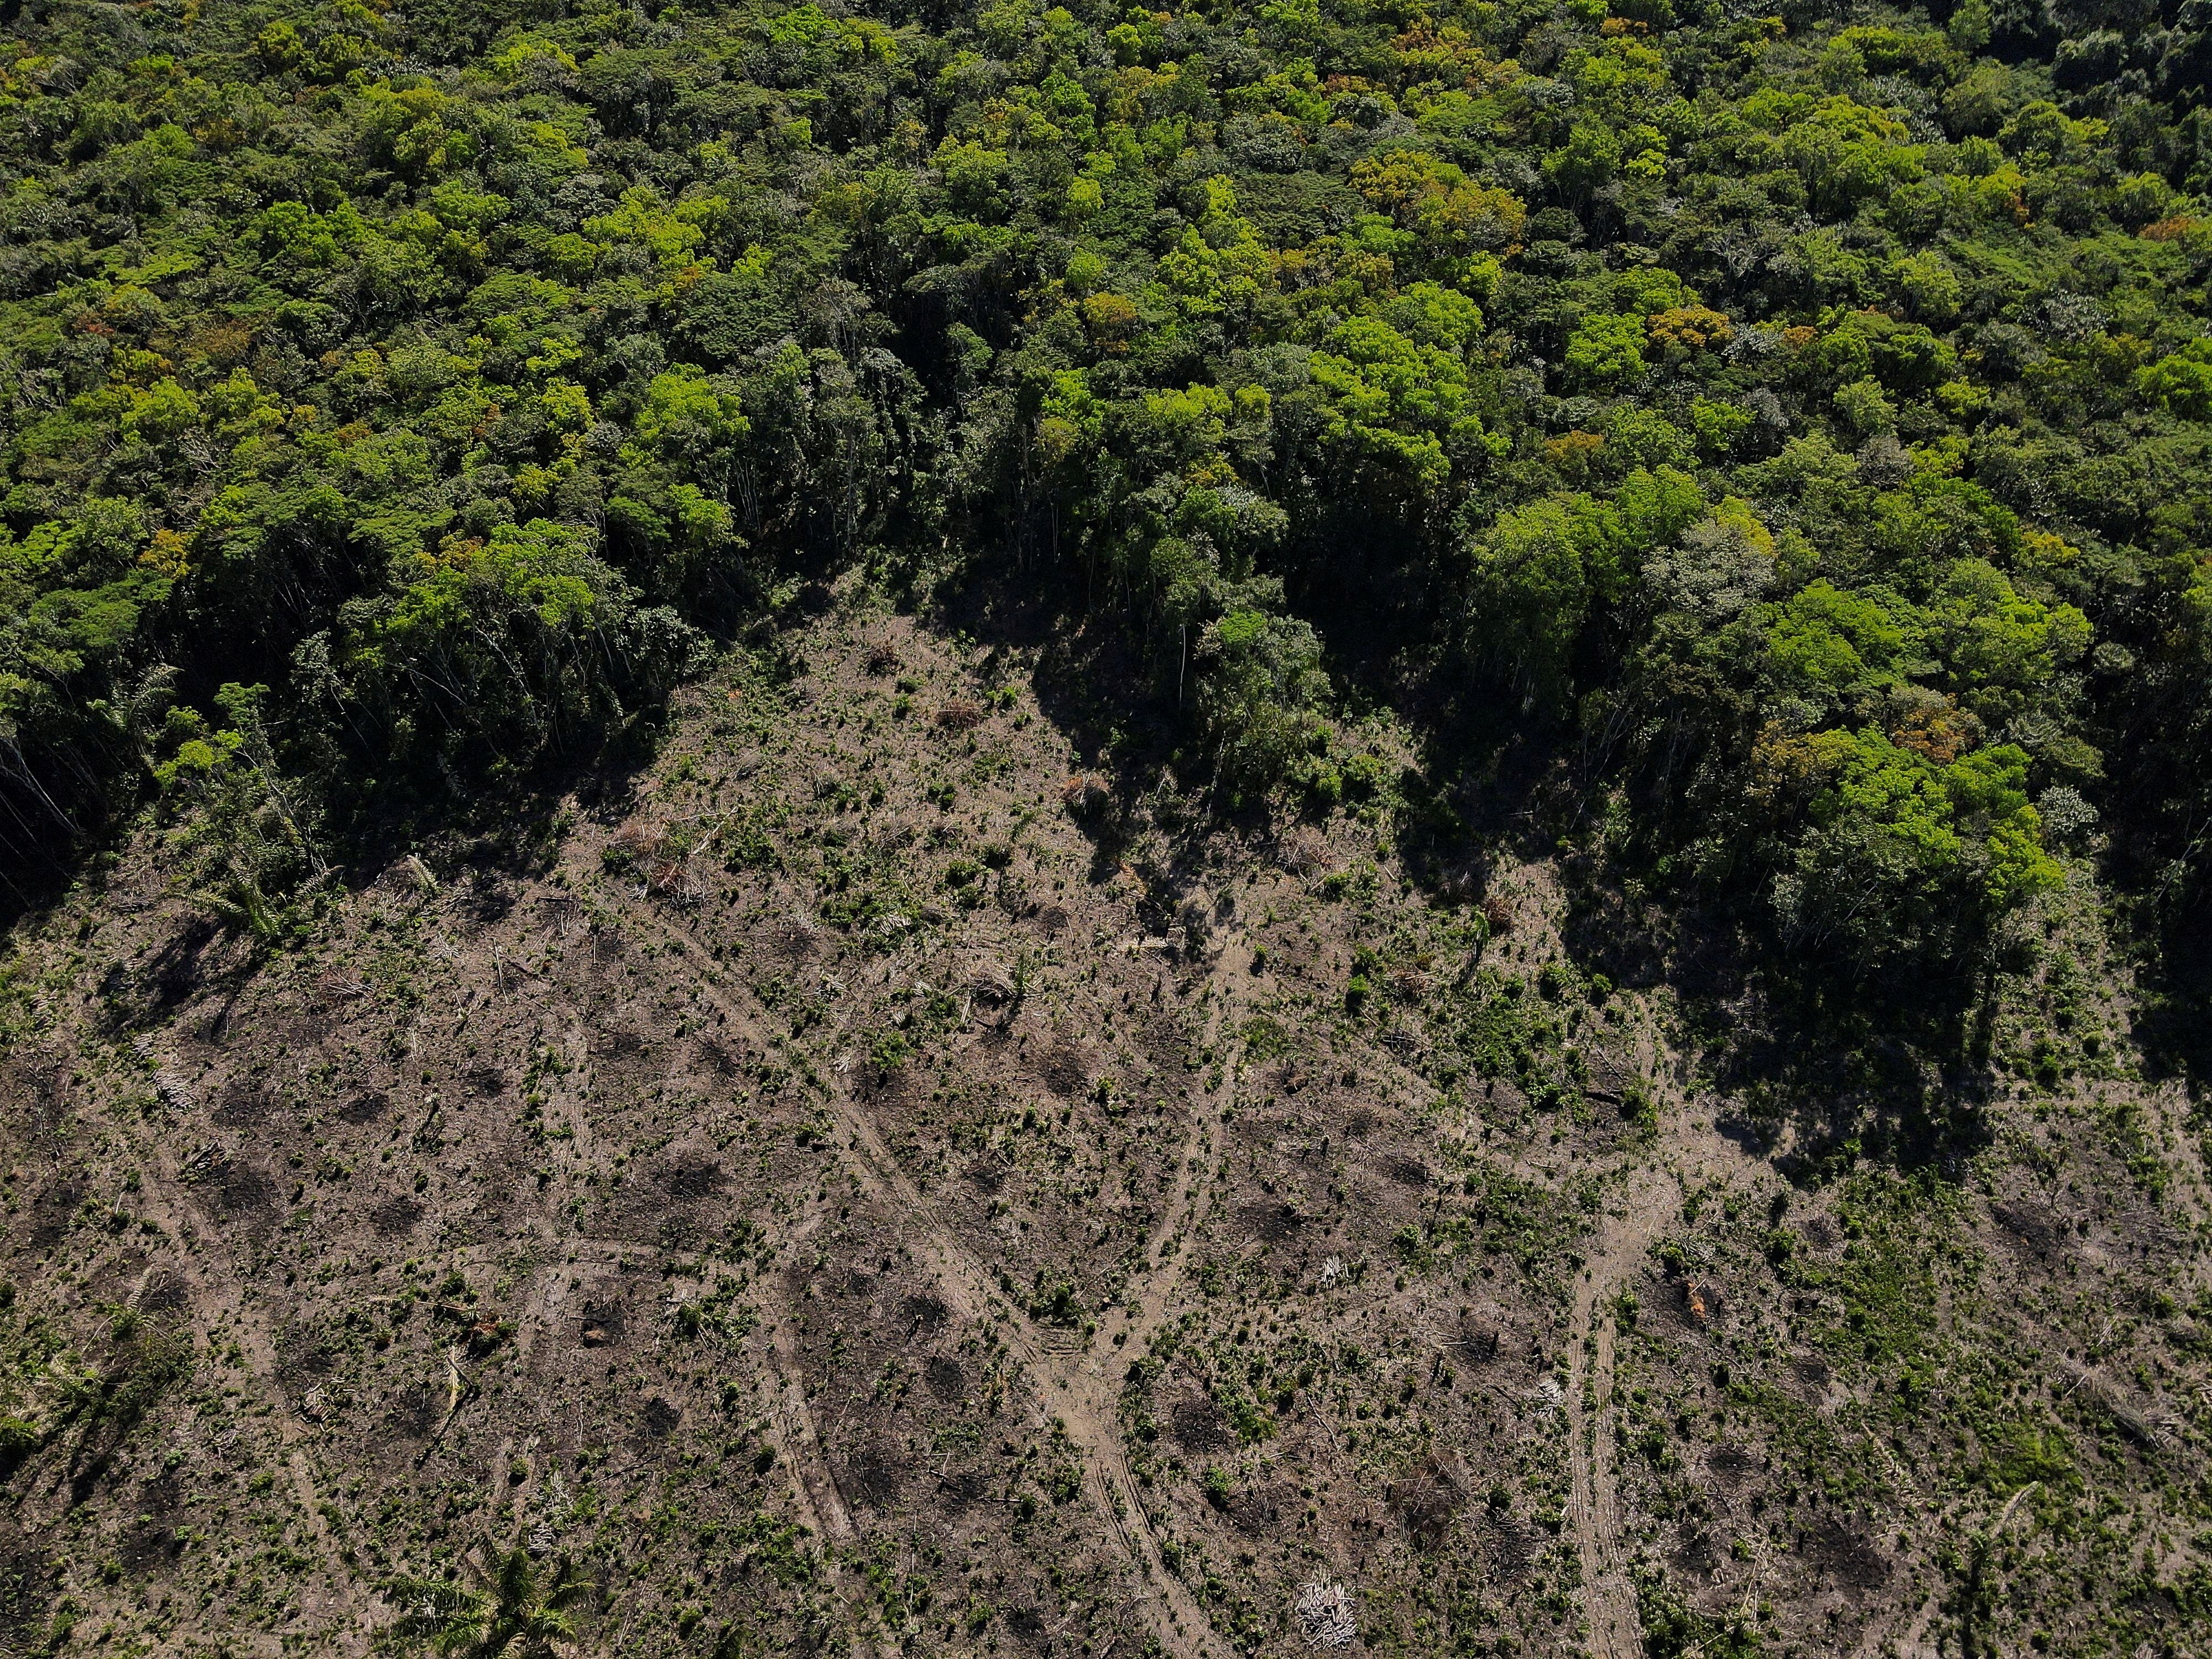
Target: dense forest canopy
column 1799, row 421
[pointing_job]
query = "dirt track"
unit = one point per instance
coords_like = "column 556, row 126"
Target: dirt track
column 1623, row 1239
column 1079, row 1386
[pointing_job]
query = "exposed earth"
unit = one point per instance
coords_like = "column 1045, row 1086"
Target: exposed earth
column 864, row 1185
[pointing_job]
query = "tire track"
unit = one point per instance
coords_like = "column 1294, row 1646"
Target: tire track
column 212, row 1285
column 1609, row 1597
column 1092, row 1414
column 788, row 1424
column 1082, row 1393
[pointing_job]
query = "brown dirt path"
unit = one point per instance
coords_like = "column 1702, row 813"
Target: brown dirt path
column 213, row 1289
column 1083, row 1391
column 1625, row 1234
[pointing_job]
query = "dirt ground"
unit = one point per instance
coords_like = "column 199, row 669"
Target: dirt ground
column 865, row 1185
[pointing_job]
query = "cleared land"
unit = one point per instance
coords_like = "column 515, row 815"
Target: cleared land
column 862, row 1185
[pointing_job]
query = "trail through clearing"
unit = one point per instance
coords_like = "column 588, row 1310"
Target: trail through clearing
column 1623, row 1237
column 1079, row 1386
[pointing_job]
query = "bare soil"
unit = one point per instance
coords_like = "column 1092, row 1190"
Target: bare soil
column 854, row 1189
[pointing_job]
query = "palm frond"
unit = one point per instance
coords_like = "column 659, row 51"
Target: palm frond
column 437, row 1611
column 569, row 1585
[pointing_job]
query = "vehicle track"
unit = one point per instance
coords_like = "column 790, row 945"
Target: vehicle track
column 1082, row 1391
column 213, row 1285
column 1609, row 1597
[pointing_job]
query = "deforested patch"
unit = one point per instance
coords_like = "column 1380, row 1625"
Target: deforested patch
column 1198, row 1425
column 53, row 1213
column 364, row 1106
column 1844, row 1553
column 692, row 1180
column 395, row 1217
column 1065, row 1070
column 243, row 1103
column 1272, row 1223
